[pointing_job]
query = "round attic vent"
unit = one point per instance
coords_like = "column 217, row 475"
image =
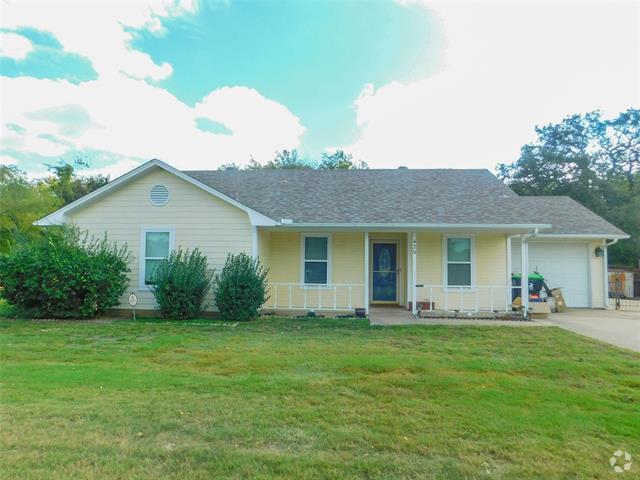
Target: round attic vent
column 159, row 195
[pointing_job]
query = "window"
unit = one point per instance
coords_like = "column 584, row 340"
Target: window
column 315, row 256
column 156, row 245
column 458, row 261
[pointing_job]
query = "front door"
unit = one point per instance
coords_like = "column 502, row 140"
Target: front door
column 384, row 273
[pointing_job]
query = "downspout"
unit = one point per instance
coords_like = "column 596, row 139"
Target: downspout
column 524, row 275
column 605, row 270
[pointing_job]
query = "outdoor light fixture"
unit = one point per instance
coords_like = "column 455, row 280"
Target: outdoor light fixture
column 599, row 252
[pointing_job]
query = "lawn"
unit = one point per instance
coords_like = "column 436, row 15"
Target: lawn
column 301, row 399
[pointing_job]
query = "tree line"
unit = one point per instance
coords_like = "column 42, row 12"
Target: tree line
column 594, row 160
column 292, row 160
column 23, row 201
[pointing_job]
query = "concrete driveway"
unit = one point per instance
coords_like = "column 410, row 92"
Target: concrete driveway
column 618, row 327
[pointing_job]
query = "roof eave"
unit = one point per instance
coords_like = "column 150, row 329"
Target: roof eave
column 506, row 227
column 585, row 236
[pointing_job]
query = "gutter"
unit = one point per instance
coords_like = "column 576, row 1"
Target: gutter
column 287, row 223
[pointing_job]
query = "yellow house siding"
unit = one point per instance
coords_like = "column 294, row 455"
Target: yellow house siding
column 347, row 267
column 264, row 247
column 597, row 276
column 491, row 259
column 284, row 257
column 348, row 257
column 199, row 219
column 429, row 259
column 490, row 270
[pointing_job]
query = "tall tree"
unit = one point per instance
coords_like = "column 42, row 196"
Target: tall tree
column 594, row 160
column 339, row 160
column 291, row 160
column 65, row 182
column 21, row 203
column 288, row 160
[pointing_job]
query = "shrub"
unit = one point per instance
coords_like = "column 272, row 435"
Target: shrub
column 62, row 275
column 180, row 284
column 241, row 288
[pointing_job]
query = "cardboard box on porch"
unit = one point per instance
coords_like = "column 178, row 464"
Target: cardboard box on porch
column 557, row 295
column 539, row 310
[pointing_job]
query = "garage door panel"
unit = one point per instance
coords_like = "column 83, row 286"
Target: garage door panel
column 563, row 265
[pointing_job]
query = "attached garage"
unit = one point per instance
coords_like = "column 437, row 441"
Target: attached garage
column 563, row 264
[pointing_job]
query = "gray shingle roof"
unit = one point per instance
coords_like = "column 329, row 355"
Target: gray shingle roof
column 567, row 216
column 437, row 196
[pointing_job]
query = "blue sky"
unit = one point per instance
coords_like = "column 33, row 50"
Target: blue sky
column 200, row 84
column 313, row 57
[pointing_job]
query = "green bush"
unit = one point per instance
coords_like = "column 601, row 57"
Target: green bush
column 241, row 288
column 63, row 275
column 180, row 284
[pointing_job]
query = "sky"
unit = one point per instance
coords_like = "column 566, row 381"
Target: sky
column 408, row 82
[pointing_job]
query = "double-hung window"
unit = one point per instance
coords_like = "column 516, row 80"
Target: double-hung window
column 156, row 246
column 315, row 258
column 459, row 261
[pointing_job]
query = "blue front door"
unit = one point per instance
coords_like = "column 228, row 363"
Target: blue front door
column 385, row 278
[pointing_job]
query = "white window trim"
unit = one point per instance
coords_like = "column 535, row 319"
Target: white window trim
column 329, row 258
column 445, row 262
column 143, row 241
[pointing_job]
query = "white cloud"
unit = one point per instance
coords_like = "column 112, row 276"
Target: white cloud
column 251, row 118
column 7, row 160
column 120, row 112
column 14, row 46
column 508, row 68
column 113, row 171
column 135, row 120
column 98, row 30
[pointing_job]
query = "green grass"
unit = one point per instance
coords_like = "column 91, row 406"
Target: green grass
column 304, row 399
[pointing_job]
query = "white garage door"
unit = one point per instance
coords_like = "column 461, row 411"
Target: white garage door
column 563, row 265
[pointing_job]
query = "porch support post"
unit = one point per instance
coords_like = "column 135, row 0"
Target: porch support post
column 524, row 278
column 509, row 272
column 366, row 273
column 605, row 279
column 414, row 253
column 408, row 288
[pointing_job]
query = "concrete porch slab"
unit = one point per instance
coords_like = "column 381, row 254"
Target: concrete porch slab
column 399, row 316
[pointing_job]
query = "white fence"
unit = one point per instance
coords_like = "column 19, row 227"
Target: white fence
column 301, row 296
column 477, row 298
column 625, row 303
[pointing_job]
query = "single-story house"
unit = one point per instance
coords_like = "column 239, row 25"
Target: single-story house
column 339, row 240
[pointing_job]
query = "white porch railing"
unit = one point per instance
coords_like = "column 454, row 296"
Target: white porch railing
column 477, row 298
column 301, row 296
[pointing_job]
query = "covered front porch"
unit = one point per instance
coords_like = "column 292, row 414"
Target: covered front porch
column 338, row 271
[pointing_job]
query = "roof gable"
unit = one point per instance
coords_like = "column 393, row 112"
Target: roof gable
column 58, row 216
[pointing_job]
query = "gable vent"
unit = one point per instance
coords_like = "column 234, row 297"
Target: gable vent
column 159, row 195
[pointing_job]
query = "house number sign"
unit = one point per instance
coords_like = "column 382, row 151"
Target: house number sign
column 133, row 300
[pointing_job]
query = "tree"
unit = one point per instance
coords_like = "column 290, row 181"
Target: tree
column 291, row 160
column 226, row 167
column 67, row 185
column 339, row 160
column 288, row 160
column 21, row 203
column 596, row 161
